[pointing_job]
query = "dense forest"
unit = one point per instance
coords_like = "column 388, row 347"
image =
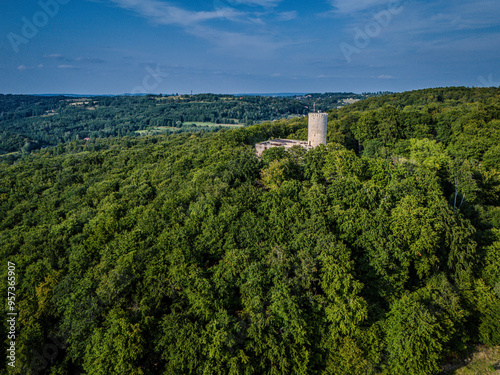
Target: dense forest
column 186, row 254
column 29, row 123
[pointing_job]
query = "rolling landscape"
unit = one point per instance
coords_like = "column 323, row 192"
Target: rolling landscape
column 250, row 187
column 186, row 254
column 32, row 122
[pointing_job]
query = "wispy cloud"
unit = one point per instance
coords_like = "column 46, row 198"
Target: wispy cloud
column 61, row 58
column 238, row 42
column 443, row 17
column 64, row 66
column 164, row 14
column 54, row 56
column 287, row 16
column 29, row 67
column 195, row 22
column 88, row 60
column 354, row 6
column 433, row 27
column 477, row 14
column 263, row 3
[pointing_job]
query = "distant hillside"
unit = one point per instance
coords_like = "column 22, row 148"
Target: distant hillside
column 29, row 123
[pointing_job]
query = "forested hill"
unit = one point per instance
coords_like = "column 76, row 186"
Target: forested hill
column 185, row 254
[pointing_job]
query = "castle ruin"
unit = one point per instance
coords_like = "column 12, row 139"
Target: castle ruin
column 316, row 135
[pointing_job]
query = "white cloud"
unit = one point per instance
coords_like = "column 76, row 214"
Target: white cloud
column 244, row 43
column 165, row 14
column 87, row 60
column 353, row 6
column 263, row 3
column 445, row 17
column 384, row 76
column 61, row 58
column 287, row 16
column 435, row 27
column 68, row 67
column 56, row 56
column 29, row 67
column 237, row 3
column 480, row 13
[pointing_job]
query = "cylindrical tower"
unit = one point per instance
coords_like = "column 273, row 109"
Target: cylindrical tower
column 317, row 129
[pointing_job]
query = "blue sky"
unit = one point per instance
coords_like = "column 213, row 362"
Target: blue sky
column 247, row 46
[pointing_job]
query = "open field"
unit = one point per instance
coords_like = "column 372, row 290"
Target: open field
column 162, row 129
column 212, row 124
column 483, row 361
column 156, row 130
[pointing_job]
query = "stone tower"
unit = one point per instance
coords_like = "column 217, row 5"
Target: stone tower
column 317, row 129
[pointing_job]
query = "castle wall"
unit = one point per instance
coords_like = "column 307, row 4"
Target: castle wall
column 286, row 143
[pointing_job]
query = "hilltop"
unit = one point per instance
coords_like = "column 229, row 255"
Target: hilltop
column 186, row 254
